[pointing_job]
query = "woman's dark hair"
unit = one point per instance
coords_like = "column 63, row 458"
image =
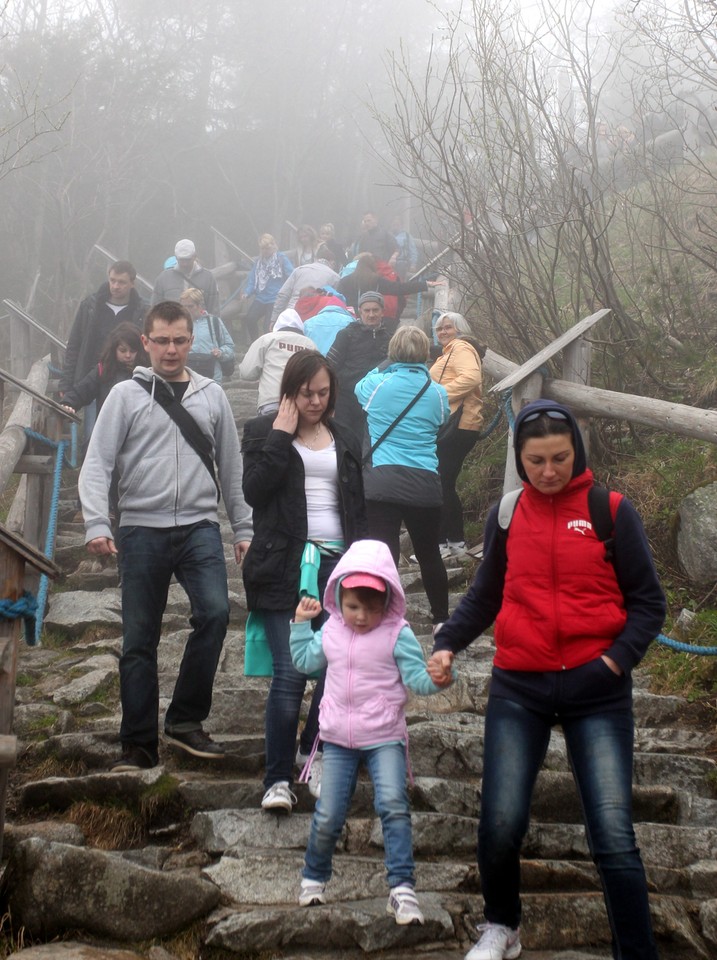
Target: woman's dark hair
column 123, row 333
column 365, row 274
column 372, row 598
column 544, row 425
column 303, row 367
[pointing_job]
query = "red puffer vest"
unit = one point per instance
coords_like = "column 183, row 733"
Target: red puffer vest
column 562, row 605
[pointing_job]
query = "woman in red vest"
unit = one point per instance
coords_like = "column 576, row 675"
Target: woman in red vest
column 574, row 614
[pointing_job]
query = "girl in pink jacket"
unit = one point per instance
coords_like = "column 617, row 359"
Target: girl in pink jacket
column 372, row 656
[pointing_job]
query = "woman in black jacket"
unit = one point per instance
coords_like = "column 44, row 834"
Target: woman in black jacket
column 302, row 478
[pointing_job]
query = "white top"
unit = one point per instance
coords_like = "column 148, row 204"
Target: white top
column 322, row 492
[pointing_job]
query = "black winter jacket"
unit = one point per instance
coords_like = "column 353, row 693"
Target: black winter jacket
column 273, row 483
column 356, row 350
column 93, row 323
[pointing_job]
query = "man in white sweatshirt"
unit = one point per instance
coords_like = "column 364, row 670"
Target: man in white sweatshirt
column 168, row 497
column 268, row 355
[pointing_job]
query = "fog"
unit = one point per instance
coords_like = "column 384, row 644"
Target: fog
column 129, row 124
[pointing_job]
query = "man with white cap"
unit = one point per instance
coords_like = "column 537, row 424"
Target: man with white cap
column 187, row 273
column 268, row 355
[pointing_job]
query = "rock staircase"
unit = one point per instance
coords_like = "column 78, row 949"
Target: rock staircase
column 135, row 858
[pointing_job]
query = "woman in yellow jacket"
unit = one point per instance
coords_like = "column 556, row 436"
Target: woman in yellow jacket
column 459, row 370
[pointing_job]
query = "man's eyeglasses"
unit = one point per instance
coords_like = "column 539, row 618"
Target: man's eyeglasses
column 165, row 341
column 553, row 414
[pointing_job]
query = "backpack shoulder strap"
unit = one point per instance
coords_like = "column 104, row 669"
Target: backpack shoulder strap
column 508, row 503
column 602, row 505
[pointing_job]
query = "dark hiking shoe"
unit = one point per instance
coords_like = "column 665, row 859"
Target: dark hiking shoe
column 196, row 742
column 133, row 758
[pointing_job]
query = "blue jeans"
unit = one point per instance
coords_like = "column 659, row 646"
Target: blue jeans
column 599, row 749
column 149, row 557
column 283, row 705
column 386, row 765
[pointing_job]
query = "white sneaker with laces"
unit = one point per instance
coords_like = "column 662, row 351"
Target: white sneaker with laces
column 279, row 797
column 497, row 942
column 403, row 905
column 311, row 893
column 317, row 768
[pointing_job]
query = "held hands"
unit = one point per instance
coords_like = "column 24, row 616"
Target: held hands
column 439, row 668
column 287, row 417
column 308, row 609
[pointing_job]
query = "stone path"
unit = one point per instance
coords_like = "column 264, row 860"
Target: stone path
column 136, row 858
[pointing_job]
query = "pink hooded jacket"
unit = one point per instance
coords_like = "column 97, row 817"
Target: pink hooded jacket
column 364, row 697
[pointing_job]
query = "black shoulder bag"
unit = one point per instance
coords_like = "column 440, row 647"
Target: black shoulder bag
column 188, row 426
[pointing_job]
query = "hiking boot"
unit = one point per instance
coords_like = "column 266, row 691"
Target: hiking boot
column 196, row 742
column 317, row 768
column 133, row 758
column 278, row 797
column 497, row 942
column 403, row 905
column 311, row 893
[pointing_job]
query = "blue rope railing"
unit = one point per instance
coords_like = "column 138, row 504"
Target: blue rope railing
column 686, row 647
column 60, row 447
column 25, row 608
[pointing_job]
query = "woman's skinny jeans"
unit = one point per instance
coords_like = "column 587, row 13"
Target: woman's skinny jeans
column 283, row 705
column 600, row 748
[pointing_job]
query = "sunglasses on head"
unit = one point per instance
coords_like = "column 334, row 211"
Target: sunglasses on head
column 553, row 414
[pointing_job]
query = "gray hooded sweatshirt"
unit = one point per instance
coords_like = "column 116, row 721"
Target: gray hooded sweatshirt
column 162, row 481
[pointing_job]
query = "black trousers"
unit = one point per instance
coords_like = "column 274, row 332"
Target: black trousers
column 423, row 524
column 451, row 454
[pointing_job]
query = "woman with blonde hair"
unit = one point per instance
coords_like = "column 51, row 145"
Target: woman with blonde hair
column 267, row 276
column 404, row 410
column 212, row 353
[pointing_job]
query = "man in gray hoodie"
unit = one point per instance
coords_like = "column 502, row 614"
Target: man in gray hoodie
column 168, row 501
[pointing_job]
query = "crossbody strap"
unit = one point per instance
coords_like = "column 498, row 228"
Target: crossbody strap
column 188, row 426
column 400, row 417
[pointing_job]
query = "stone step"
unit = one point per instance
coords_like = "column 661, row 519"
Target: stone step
column 551, row 923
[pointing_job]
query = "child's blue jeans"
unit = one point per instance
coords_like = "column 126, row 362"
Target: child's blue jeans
column 386, row 765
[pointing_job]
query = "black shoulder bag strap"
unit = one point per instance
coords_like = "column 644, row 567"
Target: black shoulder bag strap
column 188, row 426
column 400, row 417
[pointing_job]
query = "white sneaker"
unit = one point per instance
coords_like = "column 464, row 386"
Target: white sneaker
column 436, row 627
column 311, row 893
column 278, row 797
column 458, row 550
column 403, row 905
column 317, row 768
column 497, row 942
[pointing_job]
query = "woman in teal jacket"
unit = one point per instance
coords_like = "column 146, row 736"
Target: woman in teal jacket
column 401, row 480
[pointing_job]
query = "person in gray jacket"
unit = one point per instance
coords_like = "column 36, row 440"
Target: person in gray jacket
column 168, row 501
column 320, row 273
column 188, row 272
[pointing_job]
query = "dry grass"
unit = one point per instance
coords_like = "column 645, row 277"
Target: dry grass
column 108, row 828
